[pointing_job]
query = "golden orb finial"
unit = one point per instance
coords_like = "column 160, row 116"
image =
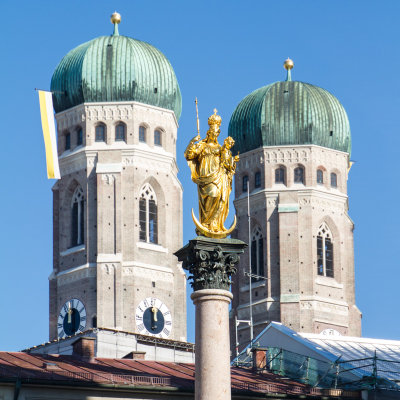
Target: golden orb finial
column 288, row 64
column 115, row 18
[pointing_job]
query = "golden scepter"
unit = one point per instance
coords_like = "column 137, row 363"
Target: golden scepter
column 197, row 114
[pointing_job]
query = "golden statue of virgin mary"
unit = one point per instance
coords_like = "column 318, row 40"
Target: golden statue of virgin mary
column 212, row 167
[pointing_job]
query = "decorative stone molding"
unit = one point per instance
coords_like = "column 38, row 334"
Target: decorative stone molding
column 108, row 178
column 211, row 262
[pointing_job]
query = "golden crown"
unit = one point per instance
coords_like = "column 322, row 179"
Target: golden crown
column 214, row 119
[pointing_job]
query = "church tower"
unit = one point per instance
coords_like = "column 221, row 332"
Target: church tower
column 118, row 205
column 294, row 142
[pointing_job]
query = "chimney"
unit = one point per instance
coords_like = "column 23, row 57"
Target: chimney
column 83, row 347
column 259, row 358
column 135, row 355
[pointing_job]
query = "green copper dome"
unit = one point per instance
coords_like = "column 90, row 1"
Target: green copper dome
column 290, row 113
column 115, row 68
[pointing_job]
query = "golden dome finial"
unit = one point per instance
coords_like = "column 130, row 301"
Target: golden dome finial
column 115, row 18
column 288, row 64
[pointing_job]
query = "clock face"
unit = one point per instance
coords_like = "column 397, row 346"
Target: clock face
column 153, row 318
column 72, row 318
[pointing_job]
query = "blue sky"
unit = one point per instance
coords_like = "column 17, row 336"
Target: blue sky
column 221, row 51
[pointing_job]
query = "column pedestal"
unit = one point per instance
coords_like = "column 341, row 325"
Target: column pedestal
column 211, row 262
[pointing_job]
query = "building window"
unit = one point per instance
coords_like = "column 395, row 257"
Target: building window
column 299, row 175
column 77, row 225
column 100, row 133
column 94, row 322
column 142, row 134
column 120, row 133
column 333, row 180
column 280, row 175
column 157, row 137
column 257, row 253
column 320, row 176
column 257, row 179
column 245, row 183
column 67, row 141
column 148, row 215
column 325, row 251
column 79, row 137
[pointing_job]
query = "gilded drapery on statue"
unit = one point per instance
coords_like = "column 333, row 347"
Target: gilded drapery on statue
column 212, row 167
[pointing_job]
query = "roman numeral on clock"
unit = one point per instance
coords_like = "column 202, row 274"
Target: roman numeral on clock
column 166, row 331
column 140, row 327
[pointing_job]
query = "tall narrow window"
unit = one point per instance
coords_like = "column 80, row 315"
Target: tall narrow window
column 157, row 137
column 333, row 180
column 325, row 251
column 257, row 179
column 257, row 253
column 100, row 133
column 79, row 137
column 280, row 175
column 77, row 225
column 320, row 176
column 148, row 215
column 120, row 133
column 245, row 182
column 142, row 134
column 67, row 141
column 299, row 175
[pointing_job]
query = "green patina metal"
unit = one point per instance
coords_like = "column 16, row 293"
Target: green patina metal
column 290, row 113
column 115, row 68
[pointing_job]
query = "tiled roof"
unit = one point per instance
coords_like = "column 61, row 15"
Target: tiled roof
column 62, row 369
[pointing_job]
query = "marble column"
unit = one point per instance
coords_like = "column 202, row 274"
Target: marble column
column 210, row 263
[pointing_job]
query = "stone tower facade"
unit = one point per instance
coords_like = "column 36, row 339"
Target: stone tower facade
column 294, row 140
column 108, row 260
column 118, row 204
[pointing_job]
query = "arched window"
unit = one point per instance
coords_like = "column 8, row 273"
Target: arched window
column 320, row 176
column 257, row 179
column 148, row 215
column 157, row 137
column 257, row 253
column 142, row 134
column 325, row 251
column 67, row 141
column 280, row 175
column 79, row 137
column 245, row 182
column 77, row 225
column 100, row 133
column 333, row 180
column 94, row 321
column 120, row 133
column 299, row 175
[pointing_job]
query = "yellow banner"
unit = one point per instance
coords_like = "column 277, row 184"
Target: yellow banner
column 49, row 134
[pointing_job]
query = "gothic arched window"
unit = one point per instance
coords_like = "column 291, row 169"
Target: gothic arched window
column 148, row 215
column 157, row 137
column 257, row 179
column 320, row 176
column 142, row 134
column 257, row 253
column 325, row 251
column 77, row 225
column 120, row 133
column 333, row 180
column 100, row 133
column 245, row 182
column 79, row 137
column 280, row 175
column 299, row 175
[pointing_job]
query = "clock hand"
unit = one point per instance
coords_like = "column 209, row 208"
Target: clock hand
column 69, row 313
column 154, row 311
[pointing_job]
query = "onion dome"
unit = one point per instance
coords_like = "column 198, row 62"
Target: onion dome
column 290, row 113
column 115, row 68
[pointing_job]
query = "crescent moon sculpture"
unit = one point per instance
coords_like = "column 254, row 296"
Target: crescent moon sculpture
column 216, row 235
